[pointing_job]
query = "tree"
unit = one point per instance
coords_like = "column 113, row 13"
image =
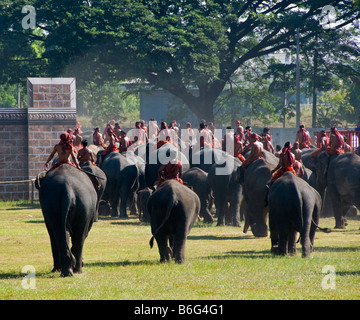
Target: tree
column 283, row 84
column 334, row 107
column 173, row 44
column 108, row 102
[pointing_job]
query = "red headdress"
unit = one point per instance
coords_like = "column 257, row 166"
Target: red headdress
column 65, row 141
column 287, row 151
column 339, row 136
column 254, row 136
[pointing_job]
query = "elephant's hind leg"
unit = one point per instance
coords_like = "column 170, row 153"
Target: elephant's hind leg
column 164, row 250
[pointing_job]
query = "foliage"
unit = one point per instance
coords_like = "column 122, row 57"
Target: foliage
column 169, row 44
column 109, row 101
column 7, row 96
column 334, row 107
column 248, row 96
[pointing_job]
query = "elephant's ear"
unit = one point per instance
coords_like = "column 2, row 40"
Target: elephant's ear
column 323, row 160
column 239, row 175
column 40, row 177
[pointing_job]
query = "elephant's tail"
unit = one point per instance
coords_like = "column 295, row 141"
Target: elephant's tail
column 171, row 203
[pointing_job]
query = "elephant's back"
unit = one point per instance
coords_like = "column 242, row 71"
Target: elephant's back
column 172, row 190
column 68, row 181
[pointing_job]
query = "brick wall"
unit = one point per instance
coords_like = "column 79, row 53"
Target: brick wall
column 13, row 153
column 27, row 136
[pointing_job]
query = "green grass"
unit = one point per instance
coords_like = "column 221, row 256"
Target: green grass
column 221, row 263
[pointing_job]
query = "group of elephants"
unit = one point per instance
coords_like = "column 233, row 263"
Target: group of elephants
column 71, row 199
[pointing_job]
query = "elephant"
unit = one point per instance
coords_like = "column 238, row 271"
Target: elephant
column 340, row 175
column 294, row 206
column 68, row 201
column 143, row 196
column 125, row 174
column 205, row 157
column 222, row 179
column 222, row 169
column 159, row 157
column 197, row 179
column 254, row 180
column 173, row 210
column 98, row 178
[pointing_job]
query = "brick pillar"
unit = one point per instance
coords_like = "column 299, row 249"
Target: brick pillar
column 13, row 154
column 27, row 136
column 51, row 111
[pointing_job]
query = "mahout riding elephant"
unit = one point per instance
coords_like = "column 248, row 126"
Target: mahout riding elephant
column 157, row 158
column 222, row 179
column 221, row 168
column 254, row 181
column 98, row 178
column 197, row 179
column 68, row 201
column 143, row 196
column 340, row 175
column 173, row 209
column 124, row 175
column 294, row 206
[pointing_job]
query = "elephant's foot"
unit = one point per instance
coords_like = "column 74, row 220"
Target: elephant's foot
column 124, row 216
column 208, row 220
column 259, row 232
column 167, row 257
column 66, row 272
column 274, row 249
column 341, row 224
column 114, row 214
column 236, row 223
column 78, row 270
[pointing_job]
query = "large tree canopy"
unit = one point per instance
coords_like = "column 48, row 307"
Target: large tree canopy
column 172, row 44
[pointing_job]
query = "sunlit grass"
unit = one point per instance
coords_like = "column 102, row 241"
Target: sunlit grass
column 221, row 263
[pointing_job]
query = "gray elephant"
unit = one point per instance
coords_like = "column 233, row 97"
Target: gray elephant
column 173, row 209
column 222, row 179
column 98, row 178
column 254, row 180
column 143, row 196
column 197, row 179
column 68, row 201
column 124, row 176
column 222, row 171
column 294, row 206
column 205, row 157
column 340, row 175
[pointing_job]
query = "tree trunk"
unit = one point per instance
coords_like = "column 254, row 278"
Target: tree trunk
column 203, row 104
column 314, row 109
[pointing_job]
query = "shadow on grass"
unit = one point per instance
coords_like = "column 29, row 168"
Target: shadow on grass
column 23, row 206
column 35, row 221
column 213, row 237
column 348, row 273
column 120, row 263
column 249, row 254
column 16, row 275
column 335, row 249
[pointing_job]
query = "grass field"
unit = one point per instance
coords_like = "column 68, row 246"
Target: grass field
column 222, row 263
